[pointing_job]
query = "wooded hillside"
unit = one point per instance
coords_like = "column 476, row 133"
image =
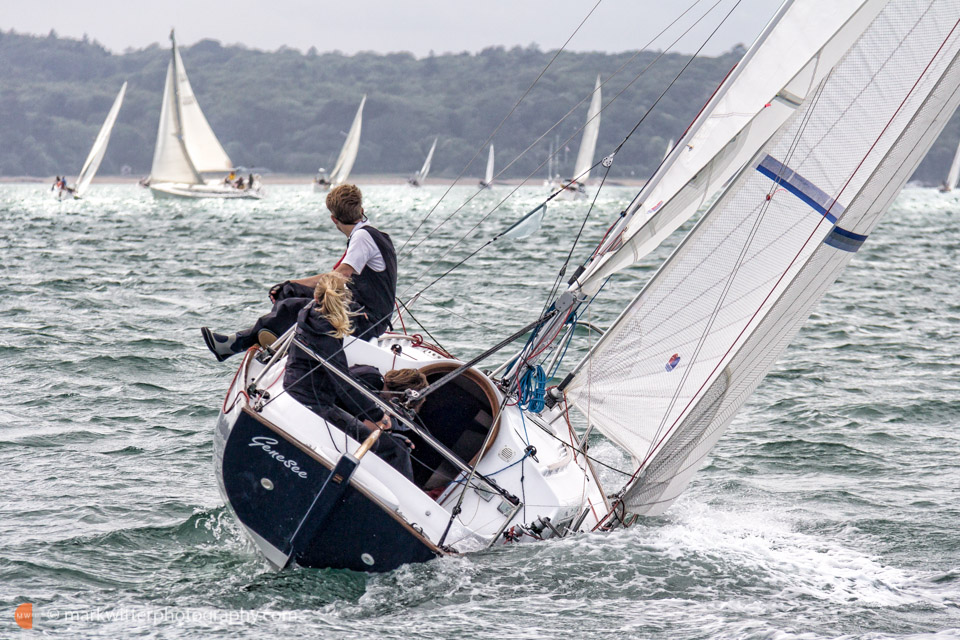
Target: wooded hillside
column 286, row 111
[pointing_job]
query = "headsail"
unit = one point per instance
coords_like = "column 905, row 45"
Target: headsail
column 99, row 148
column 205, row 150
column 348, row 153
column 588, row 143
column 668, row 377
column 796, row 50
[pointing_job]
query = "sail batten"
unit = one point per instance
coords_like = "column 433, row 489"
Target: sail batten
column 670, row 374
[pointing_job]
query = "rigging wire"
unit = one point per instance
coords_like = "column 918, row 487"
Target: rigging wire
column 606, row 161
column 491, row 136
column 603, row 83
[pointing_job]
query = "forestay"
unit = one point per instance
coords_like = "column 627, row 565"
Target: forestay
column 796, row 50
column 348, row 153
column 671, row 373
column 588, row 143
column 99, row 148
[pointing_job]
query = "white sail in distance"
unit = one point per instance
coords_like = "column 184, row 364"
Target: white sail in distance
column 351, row 146
column 425, row 169
column 186, row 145
column 99, row 148
column 488, row 175
column 953, row 176
column 670, row 374
column 796, row 50
column 588, row 142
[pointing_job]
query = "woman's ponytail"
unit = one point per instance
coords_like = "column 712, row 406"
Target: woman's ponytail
column 333, row 299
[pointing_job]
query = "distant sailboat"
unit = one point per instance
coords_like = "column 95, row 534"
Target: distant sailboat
column 187, row 147
column 348, row 155
column 588, row 146
column 954, row 175
column 95, row 157
column 418, row 179
column 669, row 149
column 487, row 181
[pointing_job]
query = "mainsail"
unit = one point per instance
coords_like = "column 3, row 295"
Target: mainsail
column 588, row 142
column 99, row 148
column 669, row 375
column 796, row 50
column 348, row 153
column 186, row 145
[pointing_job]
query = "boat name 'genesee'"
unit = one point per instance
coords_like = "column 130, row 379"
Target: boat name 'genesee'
column 264, row 443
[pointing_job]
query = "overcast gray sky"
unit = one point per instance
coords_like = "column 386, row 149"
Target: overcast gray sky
column 418, row 26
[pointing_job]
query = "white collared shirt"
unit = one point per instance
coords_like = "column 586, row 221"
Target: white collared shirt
column 362, row 250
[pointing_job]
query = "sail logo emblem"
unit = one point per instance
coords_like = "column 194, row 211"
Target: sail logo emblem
column 673, row 362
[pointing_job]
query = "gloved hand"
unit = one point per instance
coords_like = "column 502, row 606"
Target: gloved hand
column 276, row 291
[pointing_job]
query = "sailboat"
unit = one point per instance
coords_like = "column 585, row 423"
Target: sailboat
column 348, row 155
column 187, row 148
column 576, row 185
column 419, row 177
column 953, row 176
column 95, row 157
column 487, row 181
column 813, row 143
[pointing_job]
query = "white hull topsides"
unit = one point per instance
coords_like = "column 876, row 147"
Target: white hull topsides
column 209, row 190
column 558, row 492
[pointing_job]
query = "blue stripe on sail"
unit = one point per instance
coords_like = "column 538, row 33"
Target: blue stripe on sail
column 799, row 186
column 844, row 240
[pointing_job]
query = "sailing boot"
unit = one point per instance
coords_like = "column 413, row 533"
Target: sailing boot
column 222, row 346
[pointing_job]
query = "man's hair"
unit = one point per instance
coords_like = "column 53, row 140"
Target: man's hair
column 346, row 203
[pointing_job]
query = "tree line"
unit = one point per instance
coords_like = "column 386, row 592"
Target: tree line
column 288, row 111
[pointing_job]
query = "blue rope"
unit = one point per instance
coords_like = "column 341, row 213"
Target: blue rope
column 533, row 386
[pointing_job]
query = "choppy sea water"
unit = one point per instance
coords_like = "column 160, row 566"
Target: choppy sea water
column 830, row 508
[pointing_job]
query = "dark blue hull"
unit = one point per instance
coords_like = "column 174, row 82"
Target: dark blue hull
column 300, row 508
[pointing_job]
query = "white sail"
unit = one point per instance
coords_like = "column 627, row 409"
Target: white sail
column 668, row 377
column 488, row 176
column 425, row 169
column 669, row 149
column 348, row 153
column 99, row 148
column 186, row 145
column 954, row 174
column 205, row 150
column 588, row 143
column 796, row 50
column 171, row 162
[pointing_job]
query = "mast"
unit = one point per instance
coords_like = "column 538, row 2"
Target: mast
column 178, row 109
